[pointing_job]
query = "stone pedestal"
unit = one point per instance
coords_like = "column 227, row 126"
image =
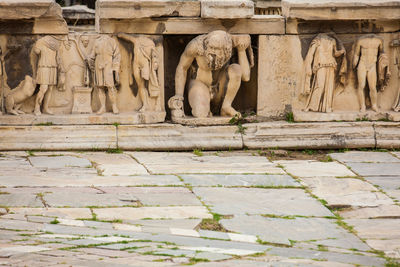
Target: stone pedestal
column 82, row 100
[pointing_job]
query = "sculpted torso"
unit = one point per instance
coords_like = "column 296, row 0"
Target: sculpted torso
column 369, row 51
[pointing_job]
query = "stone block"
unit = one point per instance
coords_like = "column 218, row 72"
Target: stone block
column 341, row 10
column 178, row 137
column 387, row 135
column 128, row 9
column 258, row 24
column 57, row 137
column 32, row 17
column 309, row 135
column 82, row 100
column 227, row 9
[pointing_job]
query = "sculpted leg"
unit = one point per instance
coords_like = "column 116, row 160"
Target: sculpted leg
column 39, row 98
column 143, row 93
column 234, row 79
column 371, row 76
column 199, row 99
column 102, row 98
column 46, row 101
column 361, row 76
column 112, row 94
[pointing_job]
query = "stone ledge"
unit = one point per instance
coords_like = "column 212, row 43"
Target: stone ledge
column 258, row 24
column 133, row 9
column 302, row 116
column 387, row 134
column 309, row 135
column 341, row 9
column 58, row 137
column 177, row 137
column 83, row 119
column 34, row 17
column 227, row 9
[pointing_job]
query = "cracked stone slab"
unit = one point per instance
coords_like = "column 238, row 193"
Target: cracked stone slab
column 385, row 182
column 115, row 164
column 184, row 212
column 281, row 231
column 155, row 196
column 66, row 213
column 380, row 212
column 394, row 193
column 19, row 200
column 63, row 181
column 171, row 223
column 346, row 192
column 377, row 228
column 311, row 168
column 391, row 247
column 240, row 180
column 13, row 250
column 364, row 156
column 239, row 201
column 375, row 169
column 20, row 225
column 176, row 162
column 59, row 162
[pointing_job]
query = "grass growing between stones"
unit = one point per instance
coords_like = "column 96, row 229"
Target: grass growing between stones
column 114, row 151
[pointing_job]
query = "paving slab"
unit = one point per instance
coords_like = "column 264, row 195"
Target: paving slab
column 155, row 196
column 281, row 231
column 240, row 180
column 65, row 213
column 325, row 256
column 375, row 169
column 171, row 223
column 184, row 212
column 364, row 156
column 175, row 163
column 376, row 229
column 54, row 162
column 239, row 201
column 385, row 182
column 63, row 181
column 311, row 168
column 20, row 225
column 391, row 247
column 394, row 193
column 19, row 200
column 115, row 164
column 380, row 212
column 346, row 192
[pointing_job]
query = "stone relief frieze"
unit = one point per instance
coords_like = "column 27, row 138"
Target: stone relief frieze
column 80, row 73
column 212, row 79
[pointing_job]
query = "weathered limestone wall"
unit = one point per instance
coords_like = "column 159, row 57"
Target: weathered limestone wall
column 200, row 63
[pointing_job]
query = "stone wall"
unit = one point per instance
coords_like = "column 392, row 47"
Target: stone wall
column 201, row 62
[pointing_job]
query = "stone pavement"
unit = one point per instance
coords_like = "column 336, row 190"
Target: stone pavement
column 205, row 208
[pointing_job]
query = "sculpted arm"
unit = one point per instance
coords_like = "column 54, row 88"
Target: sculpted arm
column 184, row 63
column 243, row 42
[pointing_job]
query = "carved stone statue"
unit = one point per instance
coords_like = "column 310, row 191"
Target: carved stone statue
column 45, row 66
column 105, row 60
column 368, row 53
column 320, row 72
column 18, row 95
column 216, row 82
column 145, row 70
column 396, row 45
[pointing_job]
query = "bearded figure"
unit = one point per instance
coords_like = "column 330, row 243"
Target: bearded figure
column 214, row 79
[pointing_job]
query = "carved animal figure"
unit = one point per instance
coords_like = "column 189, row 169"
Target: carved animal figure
column 17, row 96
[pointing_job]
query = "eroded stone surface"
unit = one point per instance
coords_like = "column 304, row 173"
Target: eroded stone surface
column 384, row 211
column 345, row 192
column 361, row 156
column 240, row 201
column 312, row 168
column 281, row 231
column 375, row 169
column 167, row 163
column 240, row 180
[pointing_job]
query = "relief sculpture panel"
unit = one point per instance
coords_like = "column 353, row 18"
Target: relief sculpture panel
column 209, row 75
